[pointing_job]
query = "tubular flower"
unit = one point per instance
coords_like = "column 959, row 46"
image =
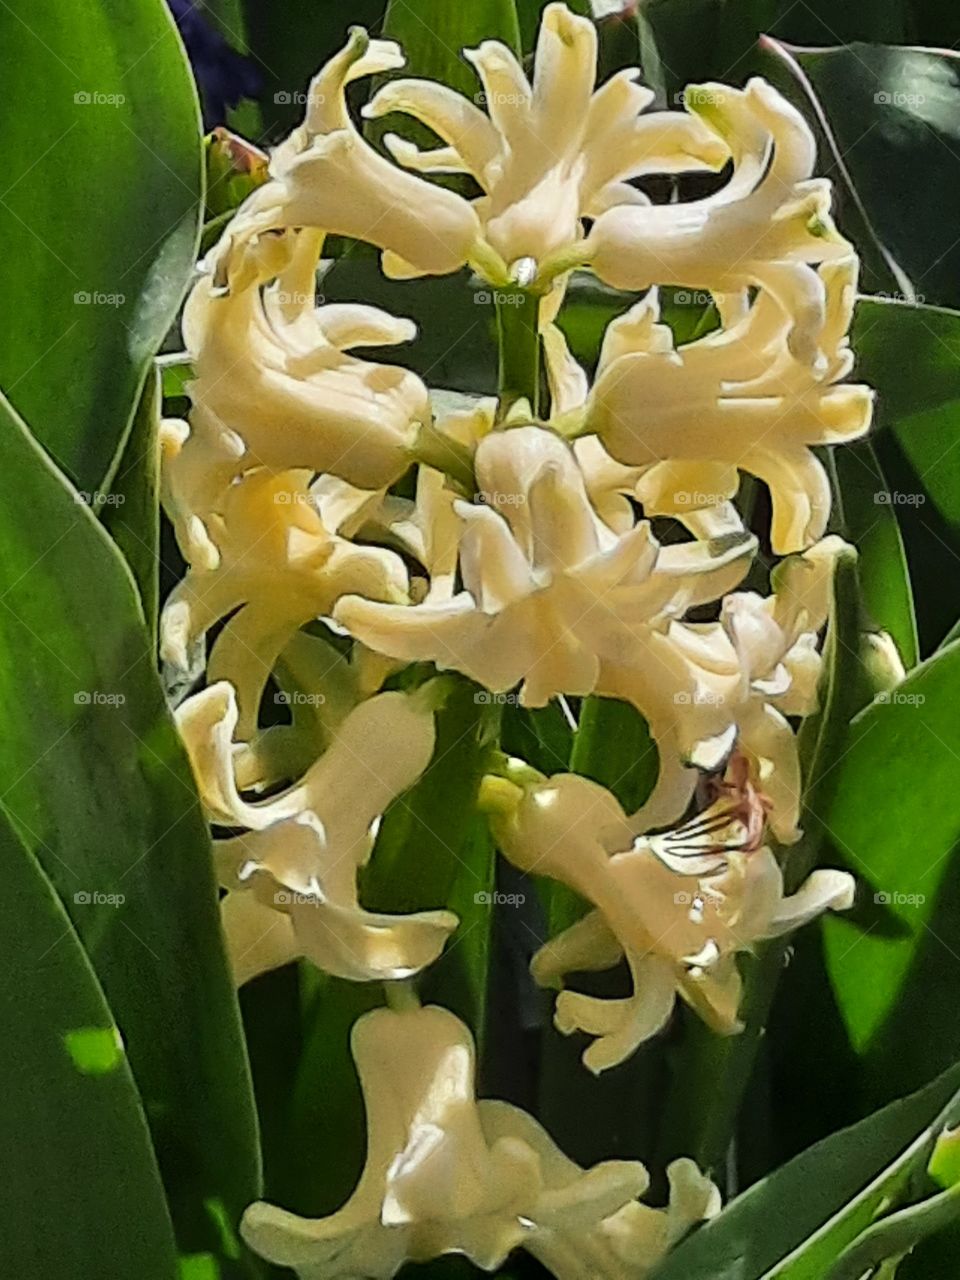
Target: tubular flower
column 765, row 228
column 776, row 643
column 327, row 177
column 278, row 563
column 552, row 595
column 771, row 642
column 735, row 400
column 550, row 153
column 275, row 387
column 291, row 877
column 448, row 1174
column 679, row 932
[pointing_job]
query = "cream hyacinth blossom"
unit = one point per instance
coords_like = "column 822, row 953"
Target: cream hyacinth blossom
column 281, row 566
column 346, row 529
column 766, row 228
column 327, row 177
column 734, row 400
column 447, row 1174
column 553, row 597
column 274, row 384
column 679, row 932
column 291, row 878
column 548, row 153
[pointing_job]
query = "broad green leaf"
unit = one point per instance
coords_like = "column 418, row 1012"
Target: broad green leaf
column 99, row 218
column 893, row 115
column 100, row 791
column 792, row 1222
column 911, row 355
column 895, row 811
column 82, row 1193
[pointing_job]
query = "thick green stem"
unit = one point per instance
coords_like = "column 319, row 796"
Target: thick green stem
column 518, row 340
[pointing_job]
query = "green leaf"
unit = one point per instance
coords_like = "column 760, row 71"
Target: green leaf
column 100, row 791
column 82, row 1194
column 792, row 1223
column 894, row 111
column 895, row 811
column 132, row 509
column 911, row 355
column 100, row 215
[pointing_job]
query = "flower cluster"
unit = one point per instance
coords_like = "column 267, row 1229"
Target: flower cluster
column 520, row 553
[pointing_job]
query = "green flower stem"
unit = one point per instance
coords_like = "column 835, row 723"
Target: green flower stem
column 518, row 340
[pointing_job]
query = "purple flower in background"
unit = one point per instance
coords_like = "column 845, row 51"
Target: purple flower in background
column 223, row 75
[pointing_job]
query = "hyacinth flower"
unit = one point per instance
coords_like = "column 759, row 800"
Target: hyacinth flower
column 679, row 931
column 277, row 569
column 446, row 1173
column 737, row 400
column 274, row 384
column 326, row 176
column 554, row 600
column 767, row 227
column 550, row 153
column 291, row 876
column 595, row 558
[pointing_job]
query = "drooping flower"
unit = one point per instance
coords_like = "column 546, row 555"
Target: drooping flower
column 765, row 228
column 274, row 384
column 550, row 153
column 775, row 638
column 276, row 568
column 734, row 400
column 292, row 876
column 445, row 1173
column 553, row 599
column 679, row 932
column 327, row 177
